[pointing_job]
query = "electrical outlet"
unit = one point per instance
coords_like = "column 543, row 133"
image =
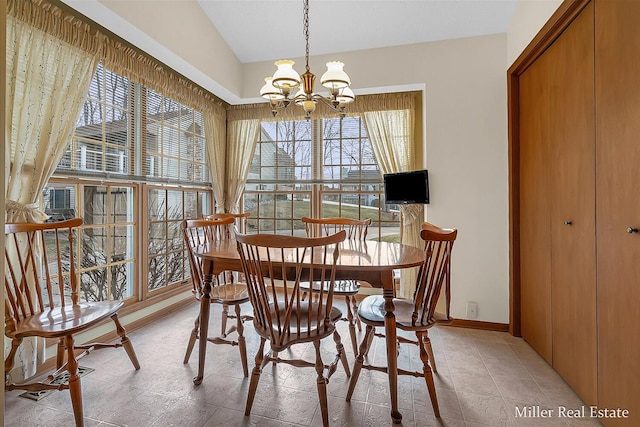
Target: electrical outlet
column 472, row 310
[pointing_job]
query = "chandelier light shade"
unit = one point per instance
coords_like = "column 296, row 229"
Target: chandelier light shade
column 278, row 90
column 335, row 78
column 285, row 77
column 269, row 91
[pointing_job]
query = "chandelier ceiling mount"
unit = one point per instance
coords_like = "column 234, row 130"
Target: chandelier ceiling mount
column 279, row 87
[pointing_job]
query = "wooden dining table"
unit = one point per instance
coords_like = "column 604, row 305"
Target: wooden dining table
column 369, row 261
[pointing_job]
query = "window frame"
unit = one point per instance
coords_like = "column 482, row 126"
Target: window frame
column 319, row 186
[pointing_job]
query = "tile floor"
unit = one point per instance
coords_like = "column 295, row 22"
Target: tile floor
column 483, row 376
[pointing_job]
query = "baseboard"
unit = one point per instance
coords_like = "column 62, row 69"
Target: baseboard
column 477, row 324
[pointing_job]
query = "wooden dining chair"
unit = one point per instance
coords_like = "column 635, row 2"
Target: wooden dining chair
column 416, row 315
column 198, row 233
column 356, row 229
column 42, row 299
column 240, row 223
column 276, row 266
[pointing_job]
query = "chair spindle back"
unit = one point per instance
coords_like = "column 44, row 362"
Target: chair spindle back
column 198, row 233
column 434, row 273
column 274, row 267
column 356, row 229
column 240, row 219
column 40, row 268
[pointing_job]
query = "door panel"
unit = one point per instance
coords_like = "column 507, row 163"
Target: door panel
column 535, row 238
column 572, row 195
column 618, row 206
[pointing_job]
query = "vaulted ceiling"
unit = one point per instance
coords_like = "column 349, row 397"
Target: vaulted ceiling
column 266, row 30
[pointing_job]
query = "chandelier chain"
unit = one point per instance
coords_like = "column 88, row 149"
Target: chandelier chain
column 278, row 89
column 306, row 32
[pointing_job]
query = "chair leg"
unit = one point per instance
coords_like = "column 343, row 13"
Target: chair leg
column 225, row 314
column 60, row 353
column 192, row 340
column 354, row 306
column 427, row 346
column 126, row 342
column 357, row 367
column 352, row 326
column 242, row 344
column 255, row 377
column 341, row 352
column 428, row 375
column 322, row 384
column 75, row 389
column 370, row 341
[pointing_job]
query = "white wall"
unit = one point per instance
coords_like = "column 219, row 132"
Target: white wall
column 466, row 149
column 530, row 16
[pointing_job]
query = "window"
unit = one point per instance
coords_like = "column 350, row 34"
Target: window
column 167, row 262
column 322, row 167
column 131, row 144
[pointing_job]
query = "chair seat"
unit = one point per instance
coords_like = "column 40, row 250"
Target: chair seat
column 371, row 311
column 231, row 293
column 340, row 287
column 299, row 324
column 61, row 321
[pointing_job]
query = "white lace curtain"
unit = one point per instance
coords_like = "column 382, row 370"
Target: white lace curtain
column 215, row 135
column 47, row 83
column 241, row 145
column 391, row 136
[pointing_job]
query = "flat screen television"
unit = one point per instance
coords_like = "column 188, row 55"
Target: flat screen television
column 406, row 187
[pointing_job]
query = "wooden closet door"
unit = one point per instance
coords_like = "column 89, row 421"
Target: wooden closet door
column 572, row 194
column 535, row 237
column 618, row 205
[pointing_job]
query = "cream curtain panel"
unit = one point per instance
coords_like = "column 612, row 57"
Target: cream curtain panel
column 215, row 134
column 47, row 83
column 241, row 145
column 391, row 136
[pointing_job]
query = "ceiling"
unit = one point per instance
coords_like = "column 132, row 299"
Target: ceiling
column 273, row 29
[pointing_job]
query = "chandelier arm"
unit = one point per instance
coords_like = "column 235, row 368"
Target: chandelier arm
column 331, row 103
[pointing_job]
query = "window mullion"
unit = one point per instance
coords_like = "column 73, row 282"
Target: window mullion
column 316, row 167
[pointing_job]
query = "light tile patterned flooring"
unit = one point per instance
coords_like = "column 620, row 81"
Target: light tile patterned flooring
column 483, row 376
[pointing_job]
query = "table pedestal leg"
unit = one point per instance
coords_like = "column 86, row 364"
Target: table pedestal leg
column 392, row 353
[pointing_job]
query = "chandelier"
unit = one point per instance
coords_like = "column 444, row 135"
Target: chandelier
column 279, row 87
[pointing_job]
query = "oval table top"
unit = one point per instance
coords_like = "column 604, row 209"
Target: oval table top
column 354, row 255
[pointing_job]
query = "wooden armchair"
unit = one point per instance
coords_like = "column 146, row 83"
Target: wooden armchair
column 417, row 315
column 198, row 233
column 275, row 267
column 356, row 229
column 42, row 300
